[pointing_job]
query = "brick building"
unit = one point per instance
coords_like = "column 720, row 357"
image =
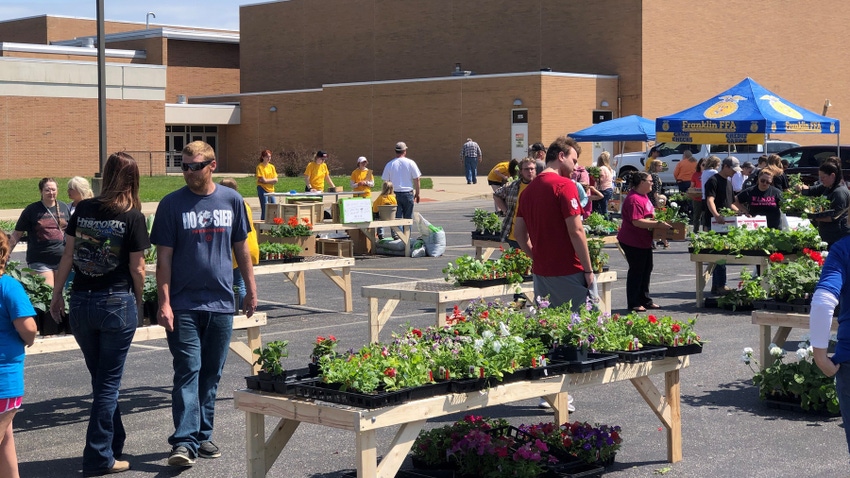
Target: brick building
column 355, row 76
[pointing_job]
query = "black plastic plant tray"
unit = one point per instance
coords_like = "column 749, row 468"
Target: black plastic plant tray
column 483, row 282
column 469, row 385
column 570, row 470
column 646, row 354
column 782, row 306
column 429, row 390
column 594, row 362
column 680, row 350
column 551, row 369
column 516, row 376
column 319, row 391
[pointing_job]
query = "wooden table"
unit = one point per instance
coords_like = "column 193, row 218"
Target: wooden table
column 323, row 195
column 369, row 229
column 484, row 249
column 712, row 259
column 784, row 321
column 63, row 343
column 294, row 271
column 442, row 294
column 411, row 417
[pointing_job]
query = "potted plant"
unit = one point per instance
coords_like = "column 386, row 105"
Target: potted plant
column 579, row 441
column 40, row 295
column 678, row 336
column 597, row 225
column 431, row 447
column 798, row 382
column 598, row 258
column 794, row 280
column 673, row 215
column 743, row 297
column 488, row 225
column 271, row 368
column 150, row 253
column 324, row 346
column 150, row 301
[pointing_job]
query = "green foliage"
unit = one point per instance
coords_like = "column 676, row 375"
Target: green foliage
column 805, row 205
column 285, row 250
column 150, row 253
column 801, row 378
column 597, row 225
column 761, row 239
column 793, row 279
column 39, row 293
column 671, row 213
column 598, row 258
column 149, row 292
column 749, row 289
column 292, row 227
column 486, row 221
column 513, row 265
column 7, row 226
column 269, row 357
column 594, row 172
column 432, row 446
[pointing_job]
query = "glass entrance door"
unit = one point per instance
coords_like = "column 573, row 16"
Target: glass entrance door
column 177, row 137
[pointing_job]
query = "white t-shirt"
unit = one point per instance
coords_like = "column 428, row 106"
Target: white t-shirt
column 737, row 182
column 704, row 177
column 401, row 171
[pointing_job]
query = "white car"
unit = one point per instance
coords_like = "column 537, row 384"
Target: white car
column 671, row 153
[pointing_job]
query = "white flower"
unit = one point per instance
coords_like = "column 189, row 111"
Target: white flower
column 487, row 334
column 776, row 351
column 518, row 339
column 497, row 346
column 504, row 329
column 810, row 351
column 478, row 344
column 673, row 204
column 748, row 351
column 746, row 358
column 802, row 345
column 801, row 353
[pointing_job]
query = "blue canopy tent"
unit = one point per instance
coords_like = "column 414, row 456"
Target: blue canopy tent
column 744, row 114
column 627, row 128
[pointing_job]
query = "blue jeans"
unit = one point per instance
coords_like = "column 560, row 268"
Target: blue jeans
column 104, row 323
column 718, row 277
column 470, row 165
column 842, row 388
column 199, row 345
column 239, row 282
column 261, row 193
column 405, row 206
column 601, row 206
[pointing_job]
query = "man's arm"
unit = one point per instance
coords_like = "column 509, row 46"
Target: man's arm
column 246, row 268
column 165, row 316
column 416, row 190
column 576, row 231
column 521, row 235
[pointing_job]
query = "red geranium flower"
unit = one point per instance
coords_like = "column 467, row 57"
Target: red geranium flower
column 390, row 372
column 320, row 339
column 676, row 328
column 652, row 319
column 278, row 221
column 777, row 257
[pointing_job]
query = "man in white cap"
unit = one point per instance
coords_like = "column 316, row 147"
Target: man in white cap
column 404, row 174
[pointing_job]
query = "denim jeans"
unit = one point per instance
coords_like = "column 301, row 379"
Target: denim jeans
column 405, row 206
column 601, row 205
column 239, row 283
column 261, row 193
column 470, row 165
column 104, row 323
column 718, row 277
column 199, row 345
column 842, row 389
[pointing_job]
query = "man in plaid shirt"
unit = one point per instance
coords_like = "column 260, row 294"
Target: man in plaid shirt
column 507, row 198
column 470, row 156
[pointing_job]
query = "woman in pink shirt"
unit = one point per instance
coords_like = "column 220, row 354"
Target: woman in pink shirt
column 605, row 184
column 635, row 237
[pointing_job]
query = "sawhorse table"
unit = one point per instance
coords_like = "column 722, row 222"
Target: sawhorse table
column 294, row 271
column 442, row 294
column 485, row 249
column 410, row 417
column 713, row 259
column 784, row 321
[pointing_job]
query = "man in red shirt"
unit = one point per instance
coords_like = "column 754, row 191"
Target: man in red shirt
column 548, row 227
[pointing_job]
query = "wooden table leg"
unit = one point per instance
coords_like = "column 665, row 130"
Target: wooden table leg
column 700, row 285
column 399, row 448
column 297, row 279
column 560, row 403
column 404, row 235
column 366, row 452
column 764, row 342
column 484, row 253
column 377, row 318
column 674, row 429
column 343, row 281
column 254, row 342
column 255, row 444
column 605, row 294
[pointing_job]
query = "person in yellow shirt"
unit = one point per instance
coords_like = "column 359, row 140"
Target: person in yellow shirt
column 386, row 198
column 316, row 174
column 266, row 179
column 500, row 175
column 362, row 179
column 251, row 240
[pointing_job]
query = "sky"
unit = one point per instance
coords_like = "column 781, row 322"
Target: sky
column 198, row 13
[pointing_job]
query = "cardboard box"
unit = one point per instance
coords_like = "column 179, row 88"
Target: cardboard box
column 739, row 221
column 677, row 233
column 307, row 243
column 353, row 210
column 695, row 194
column 360, row 243
column 335, row 247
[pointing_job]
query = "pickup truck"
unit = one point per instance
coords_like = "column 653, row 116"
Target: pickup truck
column 671, row 153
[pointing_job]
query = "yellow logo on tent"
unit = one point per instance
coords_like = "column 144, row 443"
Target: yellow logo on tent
column 727, row 105
column 773, row 126
column 665, row 126
column 782, row 108
column 754, row 126
column 832, row 127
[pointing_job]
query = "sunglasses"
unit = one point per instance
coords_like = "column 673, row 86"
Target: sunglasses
column 195, row 166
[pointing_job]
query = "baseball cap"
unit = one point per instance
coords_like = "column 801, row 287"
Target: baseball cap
column 361, row 159
column 400, row 146
column 732, row 162
column 321, row 154
column 537, row 147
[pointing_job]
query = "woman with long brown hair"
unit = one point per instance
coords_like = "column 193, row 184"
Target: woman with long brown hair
column 105, row 243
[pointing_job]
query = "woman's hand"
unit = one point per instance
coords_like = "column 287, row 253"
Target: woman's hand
column 57, row 308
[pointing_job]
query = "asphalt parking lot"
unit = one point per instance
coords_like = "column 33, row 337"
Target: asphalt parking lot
column 727, row 431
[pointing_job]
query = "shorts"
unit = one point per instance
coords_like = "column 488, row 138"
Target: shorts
column 41, row 267
column 496, row 183
column 7, row 404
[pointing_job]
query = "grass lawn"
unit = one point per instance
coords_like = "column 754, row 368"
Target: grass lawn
column 18, row 193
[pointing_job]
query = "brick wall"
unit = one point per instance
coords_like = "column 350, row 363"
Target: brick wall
column 60, row 137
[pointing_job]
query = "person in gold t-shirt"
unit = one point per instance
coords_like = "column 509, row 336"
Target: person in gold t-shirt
column 316, row 173
column 362, row 179
column 266, row 179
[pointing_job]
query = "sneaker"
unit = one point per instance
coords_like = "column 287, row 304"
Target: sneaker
column 208, row 449
column 118, row 466
column 543, row 404
column 570, row 407
column 720, row 290
column 180, row 456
